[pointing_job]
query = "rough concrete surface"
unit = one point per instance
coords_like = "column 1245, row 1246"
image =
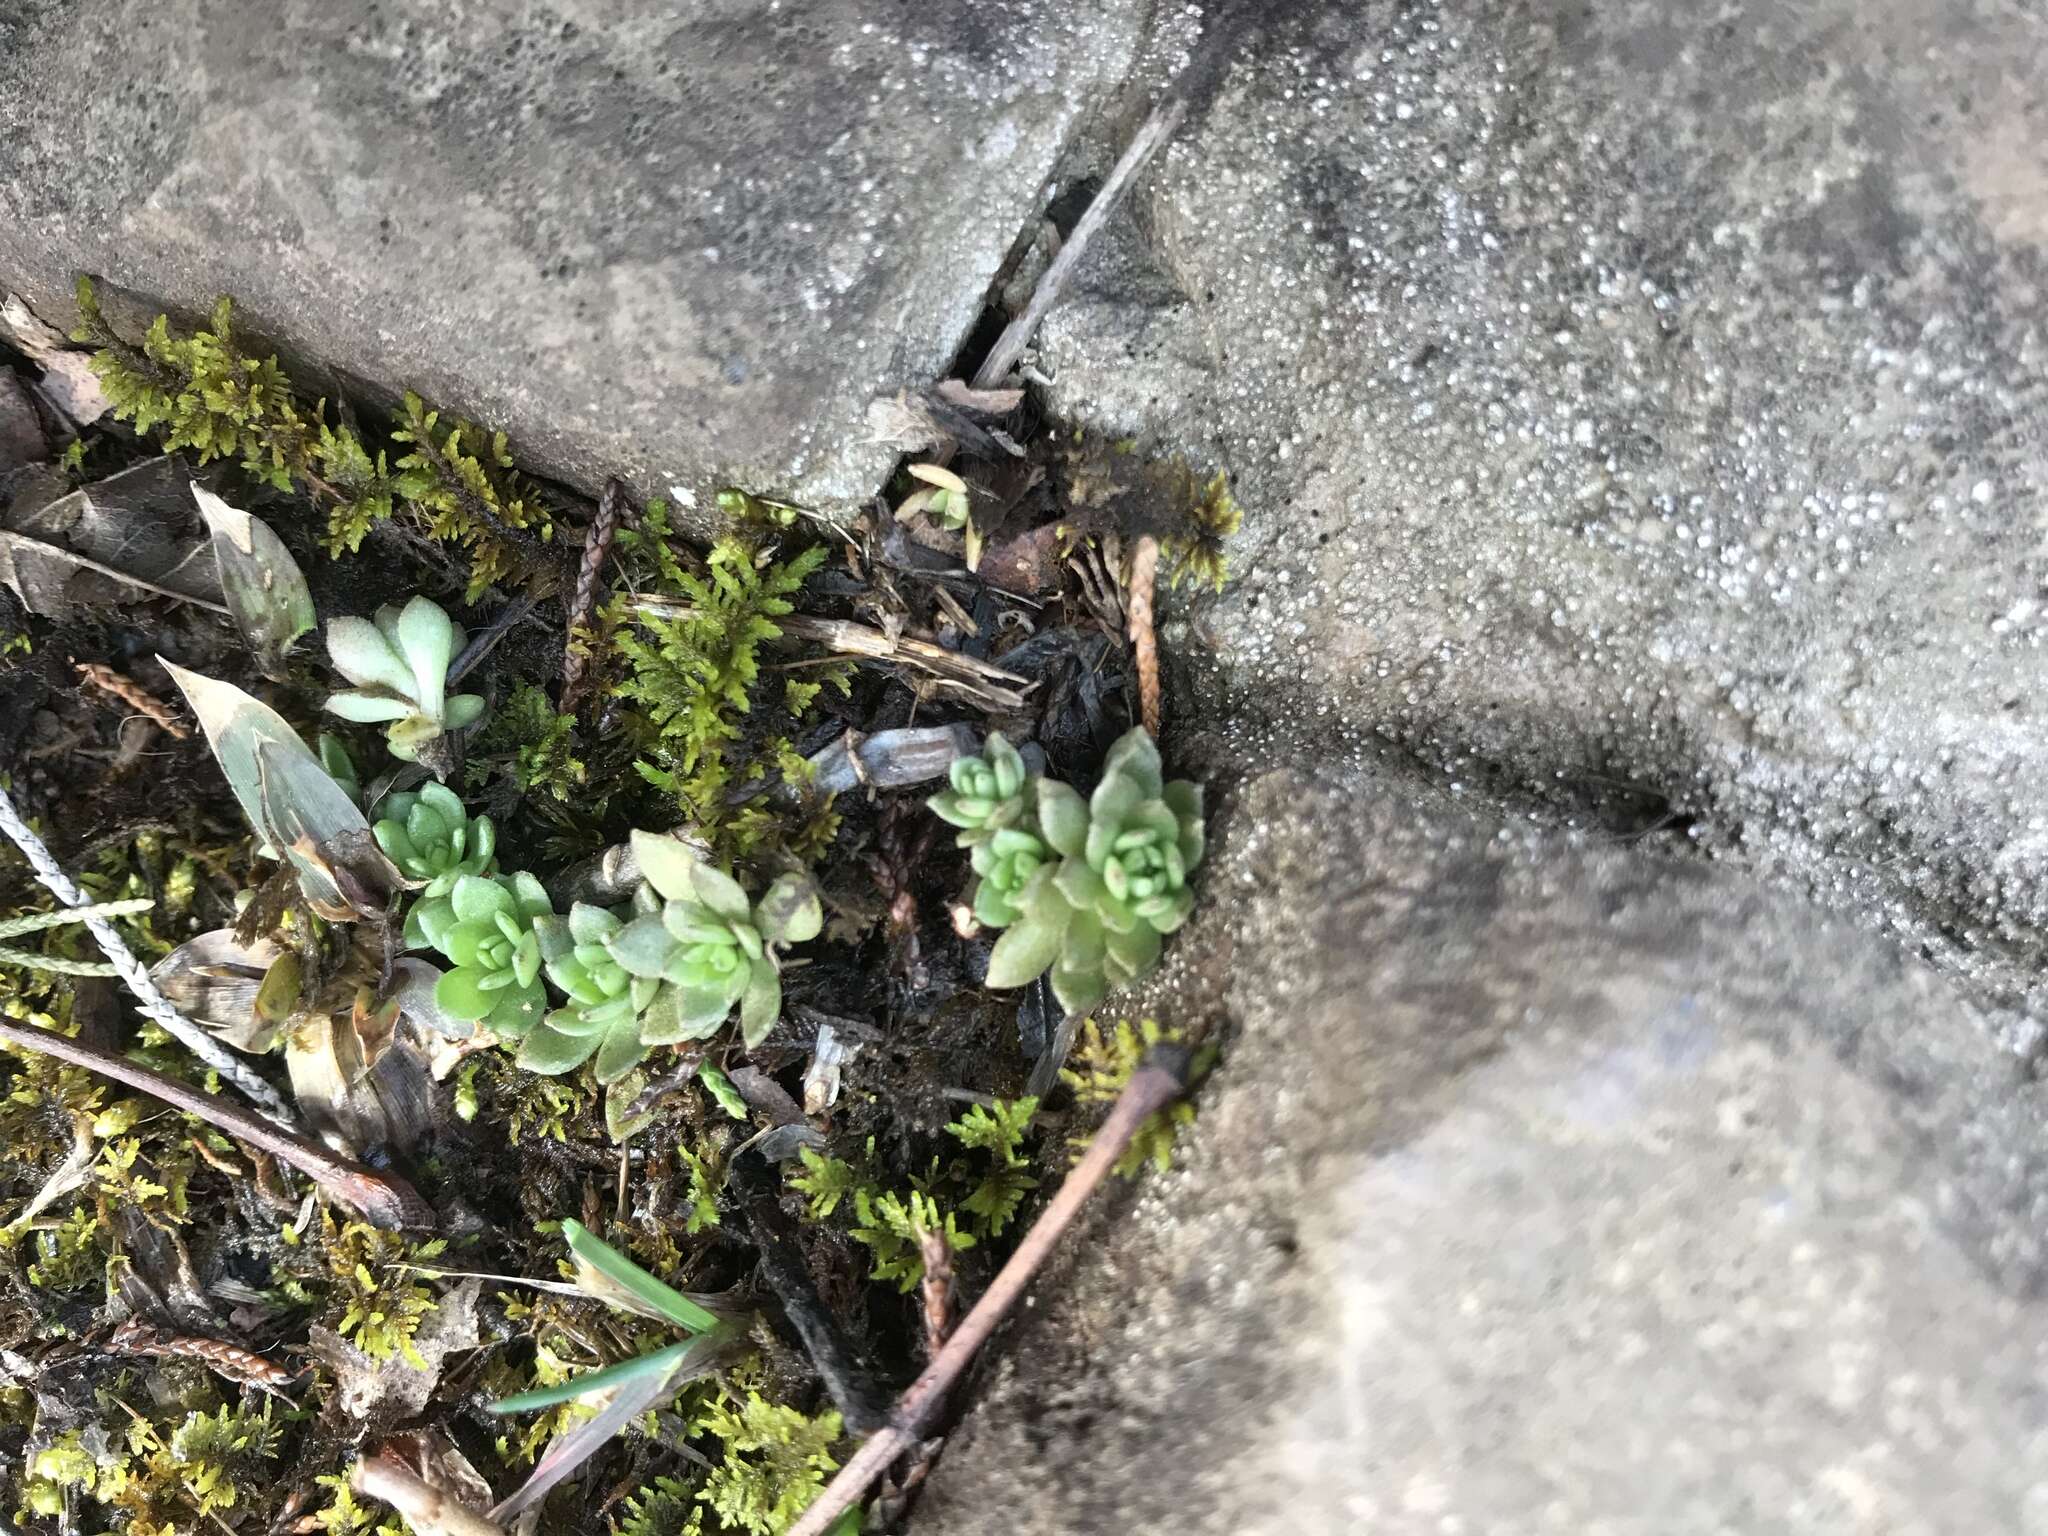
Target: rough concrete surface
column 1547, row 1186
column 1630, row 403
column 681, row 243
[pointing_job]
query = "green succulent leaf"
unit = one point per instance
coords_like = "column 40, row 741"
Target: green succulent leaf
column 1029, row 945
column 761, row 1003
column 665, row 864
column 1063, row 818
column 642, row 947
column 550, row 1052
column 789, row 911
column 621, row 1051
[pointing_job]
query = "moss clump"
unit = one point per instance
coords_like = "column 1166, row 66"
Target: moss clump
column 204, row 394
column 775, row 1464
column 1102, row 1064
column 383, row 1306
column 692, row 679
column 528, row 742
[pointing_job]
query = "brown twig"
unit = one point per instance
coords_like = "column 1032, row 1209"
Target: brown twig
column 1158, row 1082
column 134, row 695
column 1144, row 642
column 241, row 1366
column 597, row 544
column 383, row 1199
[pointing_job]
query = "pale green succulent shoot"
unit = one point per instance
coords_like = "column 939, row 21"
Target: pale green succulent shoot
column 943, row 497
column 602, row 1017
column 430, row 837
column 264, row 588
column 399, row 666
column 985, row 794
column 1096, row 917
column 1005, row 865
column 709, row 945
column 495, row 949
column 291, row 800
column 339, row 765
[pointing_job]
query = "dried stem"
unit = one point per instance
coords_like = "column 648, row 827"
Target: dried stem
column 989, row 686
column 597, row 544
column 1144, row 642
column 1158, row 1082
column 384, row 1199
column 242, row 1366
column 1145, row 143
column 152, row 1002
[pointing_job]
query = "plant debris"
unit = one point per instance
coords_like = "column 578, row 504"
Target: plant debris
column 651, row 963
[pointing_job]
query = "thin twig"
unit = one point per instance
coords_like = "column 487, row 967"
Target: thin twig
column 597, row 544
column 112, row 573
column 481, row 643
column 384, row 1199
column 1144, row 642
column 1158, row 1082
column 152, row 1002
column 1150, row 137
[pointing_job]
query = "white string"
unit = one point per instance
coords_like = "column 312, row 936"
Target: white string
column 152, row 1002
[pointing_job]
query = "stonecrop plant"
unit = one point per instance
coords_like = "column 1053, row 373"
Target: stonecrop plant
column 1085, row 889
column 669, row 965
column 398, row 665
column 430, row 837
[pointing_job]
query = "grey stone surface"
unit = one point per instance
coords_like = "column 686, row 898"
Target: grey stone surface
column 1546, row 1186
column 1639, row 403
column 682, row 243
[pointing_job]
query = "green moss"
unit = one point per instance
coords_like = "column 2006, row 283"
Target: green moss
column 202, row 393
column 889, row 1225
column 383, row 1306
column 528, row 741
column 1101, row 1065
column 345, row 1515
column 692, row 680
column 665, row 1507
column 775, row 1463
column 997, row 1131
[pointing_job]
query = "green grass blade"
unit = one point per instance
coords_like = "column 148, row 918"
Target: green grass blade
column 660, row 1362
column 620, row 1270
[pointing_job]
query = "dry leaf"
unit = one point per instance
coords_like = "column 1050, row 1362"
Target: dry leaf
column 397, row 1389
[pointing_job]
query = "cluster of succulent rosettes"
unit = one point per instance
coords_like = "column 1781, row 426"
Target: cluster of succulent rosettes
column 489, row 929
column 430, row 837
column 669, row 966
column 1088, row 888
column 399, row 666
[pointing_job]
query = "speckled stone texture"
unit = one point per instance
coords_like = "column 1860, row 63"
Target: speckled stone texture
column 684, row 243
column 1643, row 405
column 1548, row 1186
